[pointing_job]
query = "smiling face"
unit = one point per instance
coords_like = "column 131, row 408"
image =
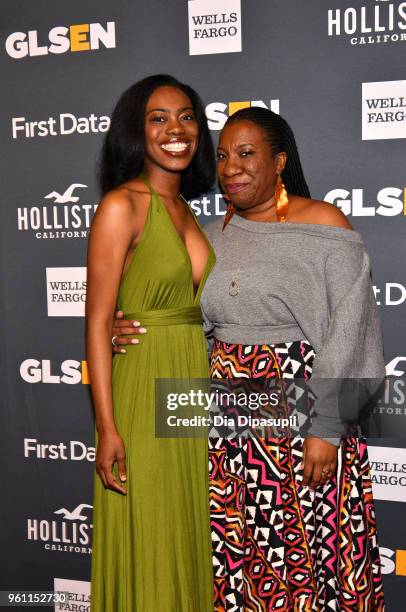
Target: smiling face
column 171, row 131
column 246, row 168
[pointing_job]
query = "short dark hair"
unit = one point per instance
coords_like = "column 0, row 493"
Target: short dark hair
column 124, row 148
column 281, row 139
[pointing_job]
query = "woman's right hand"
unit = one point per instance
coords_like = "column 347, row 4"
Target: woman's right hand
column 123, row 331
column 110, row 448
column 319, row 462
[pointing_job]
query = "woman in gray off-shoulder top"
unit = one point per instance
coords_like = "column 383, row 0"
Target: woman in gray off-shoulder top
column 290, row 301
column 290, row 297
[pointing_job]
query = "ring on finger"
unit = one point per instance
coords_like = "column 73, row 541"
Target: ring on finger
column 113, row 341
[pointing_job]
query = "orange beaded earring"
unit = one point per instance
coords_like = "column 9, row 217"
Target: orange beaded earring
column 281, row 200
column 229, row 213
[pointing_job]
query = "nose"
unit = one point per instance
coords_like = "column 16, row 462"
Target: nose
column 174, row 126
column 230, row 166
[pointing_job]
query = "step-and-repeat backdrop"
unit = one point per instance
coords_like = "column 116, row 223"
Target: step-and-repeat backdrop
column 335, row 70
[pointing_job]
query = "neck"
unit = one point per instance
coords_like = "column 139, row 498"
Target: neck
column 260, row 211
column 166, row 183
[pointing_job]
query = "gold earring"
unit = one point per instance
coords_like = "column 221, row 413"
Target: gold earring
column 281, row 200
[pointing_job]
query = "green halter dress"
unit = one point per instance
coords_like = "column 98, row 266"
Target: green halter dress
column 152, row 547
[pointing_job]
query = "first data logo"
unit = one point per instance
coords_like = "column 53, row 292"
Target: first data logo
column 214, row 26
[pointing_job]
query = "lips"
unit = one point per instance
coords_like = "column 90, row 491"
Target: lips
column 235, row 187
column 178, row 146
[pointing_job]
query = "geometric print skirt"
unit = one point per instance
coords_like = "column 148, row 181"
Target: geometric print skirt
column 279, row 546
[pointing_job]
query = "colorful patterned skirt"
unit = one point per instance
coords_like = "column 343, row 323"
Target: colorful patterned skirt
column 276, row 544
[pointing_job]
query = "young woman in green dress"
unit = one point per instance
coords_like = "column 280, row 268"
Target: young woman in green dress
column 148, row 257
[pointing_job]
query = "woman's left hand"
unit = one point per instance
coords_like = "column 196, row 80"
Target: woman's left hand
column 319, row 462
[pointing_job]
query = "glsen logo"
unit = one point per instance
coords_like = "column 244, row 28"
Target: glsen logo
column 66, row 291
column 384, row 110
column 78, row 594
column 70, row 532
column 63, row 125
column 73, row 451
column 390, row 202
column 388, row 472
column 382, row 23
column 392, row 294
column 217, row 113
column 65, row 217
column 214, row 26
column 393, row 368
column 393, row 561
column 72, row 372
column 61, row 39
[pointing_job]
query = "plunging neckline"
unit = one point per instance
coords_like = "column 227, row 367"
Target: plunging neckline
column 195, row 294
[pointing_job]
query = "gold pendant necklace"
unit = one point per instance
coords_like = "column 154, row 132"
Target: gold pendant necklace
column 233, row 289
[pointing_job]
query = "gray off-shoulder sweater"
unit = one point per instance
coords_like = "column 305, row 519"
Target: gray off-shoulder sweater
column 281, row 282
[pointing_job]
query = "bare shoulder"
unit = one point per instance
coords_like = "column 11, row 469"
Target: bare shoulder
column 126, row 199
column 306, row 210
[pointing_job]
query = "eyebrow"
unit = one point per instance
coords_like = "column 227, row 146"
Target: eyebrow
column 166, row 110
column 245, row 144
